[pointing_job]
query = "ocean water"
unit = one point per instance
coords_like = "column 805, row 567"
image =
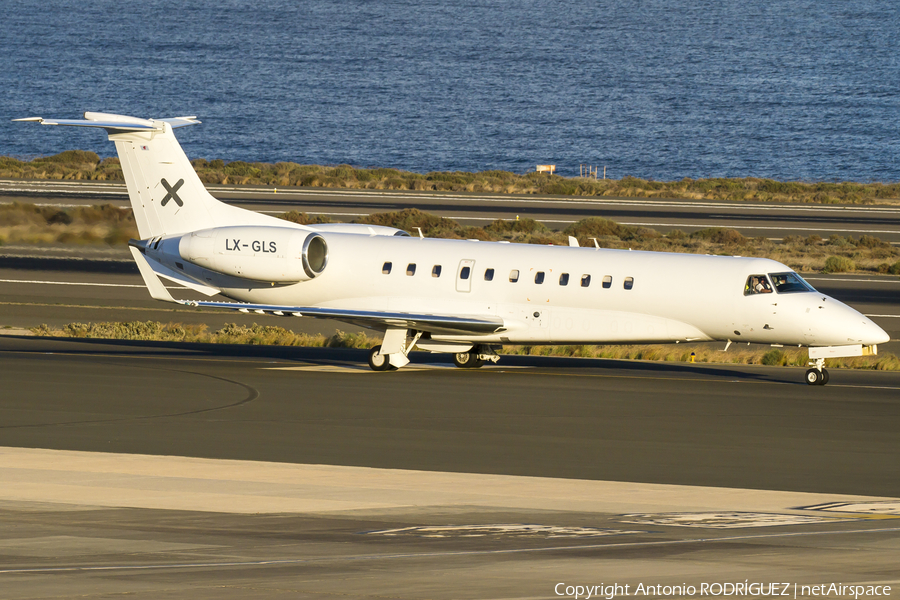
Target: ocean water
column 660, row 89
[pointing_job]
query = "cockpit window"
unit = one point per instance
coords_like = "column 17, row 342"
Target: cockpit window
column 787, row 283
column 757, row 284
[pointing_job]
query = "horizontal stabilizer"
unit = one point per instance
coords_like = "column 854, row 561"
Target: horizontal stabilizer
column 116, row 123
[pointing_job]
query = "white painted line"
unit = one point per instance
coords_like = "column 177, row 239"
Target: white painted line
column 503, row 529
column 125, row 285
column 884, row 507
column 724, row 520
column 363, row 557
column 582, row 200
column 864, row 387
column 834, row 279
column 84, row 283
column 885, row 316
column 410, row 368
column 765, row 227
column 575, row 200
column 632, row 223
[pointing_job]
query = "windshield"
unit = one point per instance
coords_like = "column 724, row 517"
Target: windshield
column 786, row 283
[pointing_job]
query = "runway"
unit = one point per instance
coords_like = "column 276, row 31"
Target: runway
column 583, row 419
column 770, row 220
column 172, row 470
column 306, row 474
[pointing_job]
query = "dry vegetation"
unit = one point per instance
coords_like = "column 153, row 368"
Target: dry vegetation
column 27, row 223
column 81, row 165
column 30, row 224
column 279, row 336
column 260, row 335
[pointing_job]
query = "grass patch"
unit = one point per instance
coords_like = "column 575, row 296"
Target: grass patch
column 231, row 333
column 279, row 336
column 107, row 224
column 100, row 224
column 81, row 165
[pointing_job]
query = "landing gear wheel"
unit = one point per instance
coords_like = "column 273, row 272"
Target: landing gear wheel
column 815, row 377
column 467, row 360
column 378, row 362
column 824, row 377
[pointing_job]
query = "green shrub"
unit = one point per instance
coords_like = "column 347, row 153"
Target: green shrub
column 772, row 358
column 527, row 225
column 894, row 269
column 838, row 264
column 303, row 218
column 719, row 235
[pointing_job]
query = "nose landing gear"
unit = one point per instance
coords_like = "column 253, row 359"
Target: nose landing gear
column 817, row 375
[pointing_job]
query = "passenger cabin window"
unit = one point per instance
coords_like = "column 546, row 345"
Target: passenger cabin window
column 789, row 283
column 757, row 284
column 464, row 272
column 585, row 280
column 539, row 277
column 514, row 276
column 489, row 275
column 386, row 269
column 629, row 283
column 436, row 271
column 564, row 279
column 411, row 269
column 607, row 282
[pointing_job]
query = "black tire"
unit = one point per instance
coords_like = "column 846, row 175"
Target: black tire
column 814, row 377
column 824, row 377
column 467, row 360
column 378, row 362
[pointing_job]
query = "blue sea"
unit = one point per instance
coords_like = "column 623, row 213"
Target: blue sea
column 658, row 89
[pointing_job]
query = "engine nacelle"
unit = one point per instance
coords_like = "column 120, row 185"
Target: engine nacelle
column 271, row 254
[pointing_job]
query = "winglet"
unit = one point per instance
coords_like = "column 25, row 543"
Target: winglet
column 156, row 288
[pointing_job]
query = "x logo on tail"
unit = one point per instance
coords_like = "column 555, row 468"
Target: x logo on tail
column 172, row 189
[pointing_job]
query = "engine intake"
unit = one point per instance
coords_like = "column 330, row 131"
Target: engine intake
column 270, row 254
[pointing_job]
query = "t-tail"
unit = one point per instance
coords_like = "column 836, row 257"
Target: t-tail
column 166, row 194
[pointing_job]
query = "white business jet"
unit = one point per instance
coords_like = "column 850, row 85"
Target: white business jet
column 465, row 297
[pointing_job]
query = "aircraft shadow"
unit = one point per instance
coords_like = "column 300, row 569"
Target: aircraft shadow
column 336, row 356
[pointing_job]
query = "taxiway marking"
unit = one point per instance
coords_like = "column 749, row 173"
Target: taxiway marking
column 364, row 557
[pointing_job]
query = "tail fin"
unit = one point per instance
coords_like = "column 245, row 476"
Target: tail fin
column 166, row 195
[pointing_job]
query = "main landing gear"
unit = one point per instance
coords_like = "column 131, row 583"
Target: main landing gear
column 467, row 360
column 475, row 358
column 471, row 359
column 817, row 375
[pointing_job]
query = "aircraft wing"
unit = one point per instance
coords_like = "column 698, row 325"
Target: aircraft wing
column 433, row 323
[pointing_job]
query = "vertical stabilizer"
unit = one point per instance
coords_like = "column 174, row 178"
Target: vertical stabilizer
column 166, row 194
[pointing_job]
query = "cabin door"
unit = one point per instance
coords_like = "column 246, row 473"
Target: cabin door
column 464, row 274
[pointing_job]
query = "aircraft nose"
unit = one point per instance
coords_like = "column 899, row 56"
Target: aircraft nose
column 845, row 325
column 881, row 336
column 863, row 330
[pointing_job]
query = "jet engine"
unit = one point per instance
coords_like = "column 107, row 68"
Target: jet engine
column 271, row 254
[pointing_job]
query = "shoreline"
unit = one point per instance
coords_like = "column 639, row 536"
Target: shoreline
column 80, row 165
